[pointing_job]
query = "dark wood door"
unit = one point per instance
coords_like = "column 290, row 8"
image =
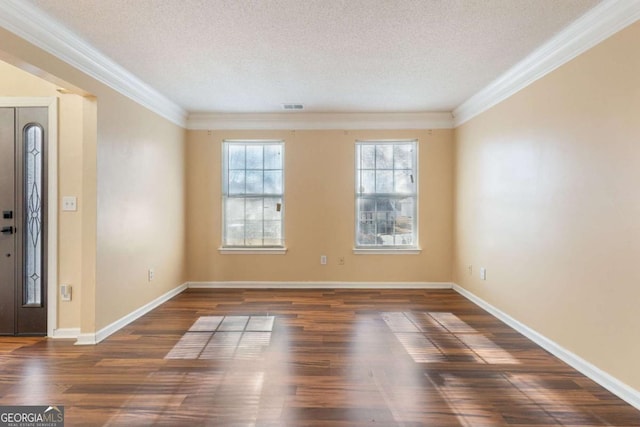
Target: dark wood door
column 23, row 239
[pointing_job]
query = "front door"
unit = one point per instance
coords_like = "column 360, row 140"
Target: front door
column 23, row 267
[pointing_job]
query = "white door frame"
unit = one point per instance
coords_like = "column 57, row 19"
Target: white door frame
column 52, row 200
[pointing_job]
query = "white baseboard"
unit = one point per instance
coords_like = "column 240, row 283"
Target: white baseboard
column 320, row 285
column 66, row 333
column 90, row 339
column 86, row 339
column 615, row 386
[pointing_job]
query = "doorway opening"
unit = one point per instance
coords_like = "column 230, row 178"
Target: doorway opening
column 27, row 216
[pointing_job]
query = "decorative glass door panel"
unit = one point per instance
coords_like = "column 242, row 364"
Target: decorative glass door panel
column 33, row 183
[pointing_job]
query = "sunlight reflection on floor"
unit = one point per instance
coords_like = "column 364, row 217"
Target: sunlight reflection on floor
column 432, row 337
column 225, row 337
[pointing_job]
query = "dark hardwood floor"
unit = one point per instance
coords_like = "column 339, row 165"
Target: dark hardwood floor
column 308, row 358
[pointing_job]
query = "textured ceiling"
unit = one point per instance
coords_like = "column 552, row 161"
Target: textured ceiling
column 330, row 55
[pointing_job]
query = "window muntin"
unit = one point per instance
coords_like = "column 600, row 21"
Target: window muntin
column 253, row 194
column 386, row 194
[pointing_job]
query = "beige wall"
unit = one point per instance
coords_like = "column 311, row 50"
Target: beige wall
column 133, row 194
column 319, row 215
column 17, row 83
column 548, row 200
column 141, row 202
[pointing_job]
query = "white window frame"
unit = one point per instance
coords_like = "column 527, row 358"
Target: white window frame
column 250, row 249
column 413, row 248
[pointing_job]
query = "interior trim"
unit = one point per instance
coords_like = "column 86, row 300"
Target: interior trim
column 95, row 338
column 615, row 386
column 318, row 285
column 319, row 121
column 252, row 251
column 30, row 23
column 66, row 333
column 599, row 23
column 386, row 251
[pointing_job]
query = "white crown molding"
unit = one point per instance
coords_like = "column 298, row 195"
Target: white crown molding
column 308, row 121
column 592, row 28
column 319, row 285
column 95, row 338
column 615, row 386
column 30, row 23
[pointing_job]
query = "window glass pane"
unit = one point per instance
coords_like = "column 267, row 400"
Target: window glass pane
column 384, row 222
column 404, row 220
column 236, row 156
column 366, row 234
column 254, row 182
column 272, row 233
column 235, row 233
column 236, row 182
column 368, row 156
column 402, row 181
column 234, row 209
column 368, row 181
column 384, row 181
column 273, row 156
column 384, row 156
column 273, row 182
column 254, row 209
column 253, row 235
column 254, row 157
column 403, row 156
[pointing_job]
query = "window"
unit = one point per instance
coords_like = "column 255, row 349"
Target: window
column 33, row 182
column 253, row 188
column 386, row 195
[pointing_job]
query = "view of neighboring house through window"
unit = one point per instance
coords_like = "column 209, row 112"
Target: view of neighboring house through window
column 386, row 194
column 253, row 189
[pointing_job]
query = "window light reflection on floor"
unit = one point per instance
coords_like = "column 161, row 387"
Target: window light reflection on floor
column 432, row 337
column 225, row 337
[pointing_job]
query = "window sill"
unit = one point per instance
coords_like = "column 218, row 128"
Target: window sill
column 386, row 251
column 252, row 251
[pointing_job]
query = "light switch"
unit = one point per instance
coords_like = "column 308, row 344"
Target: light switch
column 70, row 203
column 65, row 292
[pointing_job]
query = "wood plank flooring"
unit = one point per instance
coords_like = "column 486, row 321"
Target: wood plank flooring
column 308, row 358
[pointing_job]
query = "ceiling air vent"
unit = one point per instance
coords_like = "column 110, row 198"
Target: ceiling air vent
column 292, row 106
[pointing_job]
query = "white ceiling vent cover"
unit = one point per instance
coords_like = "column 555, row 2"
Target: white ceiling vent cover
column 292, row 106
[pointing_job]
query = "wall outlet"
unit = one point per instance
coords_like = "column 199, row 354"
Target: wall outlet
column 483, row 273
column 323, row 259
column 341, row 260
column 470, row 270
column 65, row 292
column 69, row 203
column 151, row 274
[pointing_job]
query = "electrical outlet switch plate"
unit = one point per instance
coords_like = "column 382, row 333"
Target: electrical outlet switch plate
column 65, row 292
column 483, row 273
column 323, row 259
column 70, row 203
column 151, row 274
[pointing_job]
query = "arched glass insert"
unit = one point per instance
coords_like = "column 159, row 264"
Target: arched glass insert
column 33, row 183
